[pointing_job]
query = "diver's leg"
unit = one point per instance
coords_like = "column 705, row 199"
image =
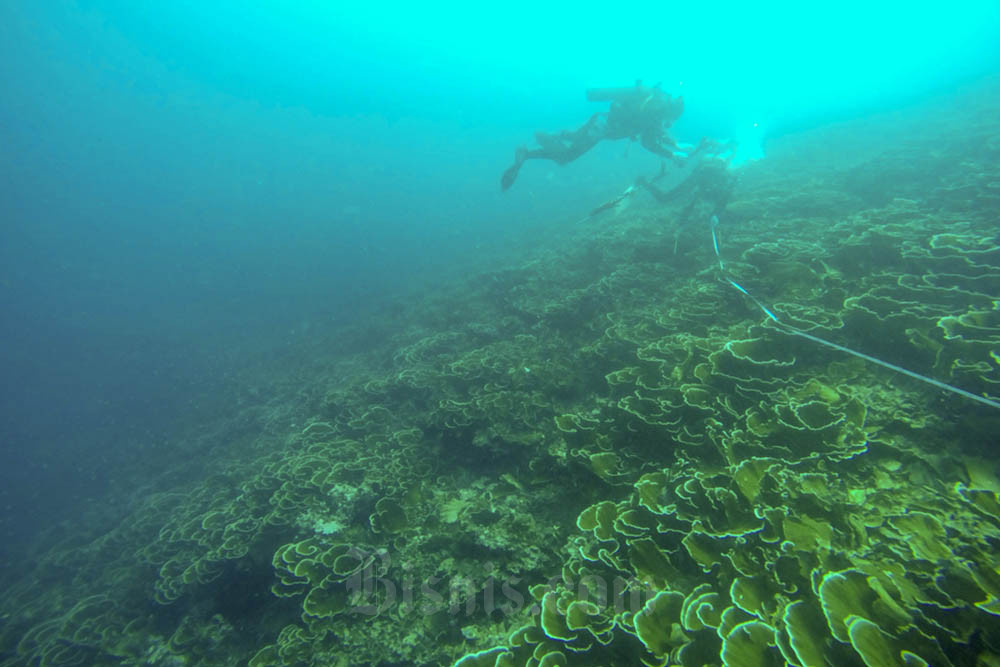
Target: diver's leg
column 580, row 145
column 561, row 148
column 568, row 145
column 576, row 143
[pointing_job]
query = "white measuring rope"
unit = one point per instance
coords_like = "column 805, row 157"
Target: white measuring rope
column 861, row 355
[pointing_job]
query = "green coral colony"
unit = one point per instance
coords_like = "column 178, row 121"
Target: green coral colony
column 612, row 458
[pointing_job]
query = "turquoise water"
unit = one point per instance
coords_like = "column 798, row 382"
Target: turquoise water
column 262, row 296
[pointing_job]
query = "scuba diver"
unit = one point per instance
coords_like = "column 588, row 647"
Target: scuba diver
column 710, row 184
column 637, row 112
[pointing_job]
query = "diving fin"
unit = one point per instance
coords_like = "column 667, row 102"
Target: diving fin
column 510, row 175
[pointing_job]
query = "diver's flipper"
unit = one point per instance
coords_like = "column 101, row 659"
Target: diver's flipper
column 510, row 176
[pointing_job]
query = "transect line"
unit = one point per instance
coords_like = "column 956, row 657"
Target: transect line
column 861, row 355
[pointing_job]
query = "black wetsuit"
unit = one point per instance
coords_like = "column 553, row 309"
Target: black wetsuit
column 637, row 113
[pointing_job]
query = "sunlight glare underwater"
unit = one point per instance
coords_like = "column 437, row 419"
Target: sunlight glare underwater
column 749, row 66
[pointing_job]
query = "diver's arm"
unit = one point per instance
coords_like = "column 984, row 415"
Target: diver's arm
column 659, row 195
column 663, row 146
